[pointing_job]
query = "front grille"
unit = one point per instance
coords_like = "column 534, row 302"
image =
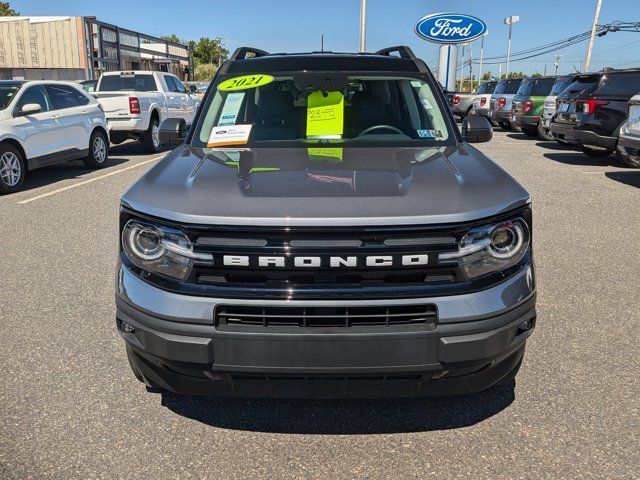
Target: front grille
column 326, row 317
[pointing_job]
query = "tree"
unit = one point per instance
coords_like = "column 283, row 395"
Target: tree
column 171, row 38
column 7, row 11
column 209, row 50
column 204, row 72
column 486, row 76
column 536, row 75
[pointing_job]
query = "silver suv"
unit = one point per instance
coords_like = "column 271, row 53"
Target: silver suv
column 500, row 104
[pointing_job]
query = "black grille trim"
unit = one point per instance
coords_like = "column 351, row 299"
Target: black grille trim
column 326, row 317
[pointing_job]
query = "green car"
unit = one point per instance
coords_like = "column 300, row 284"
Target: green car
column 528, row 104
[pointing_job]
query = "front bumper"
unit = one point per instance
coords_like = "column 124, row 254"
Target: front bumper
column 476, row 342
column 573, row 135
column 628, row 145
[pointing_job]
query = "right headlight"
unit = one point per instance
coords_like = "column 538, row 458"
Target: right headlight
column 491, row 248
column 158, row 249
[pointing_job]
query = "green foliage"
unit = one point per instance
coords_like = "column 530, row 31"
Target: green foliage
column 204, row 72
column 486, row 76
column 171, row 38
column 7, row 11
column 536, row 75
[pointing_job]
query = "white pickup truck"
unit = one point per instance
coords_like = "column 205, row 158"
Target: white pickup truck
column 135, row 103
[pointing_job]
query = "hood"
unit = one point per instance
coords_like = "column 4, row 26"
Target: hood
column 329, row 186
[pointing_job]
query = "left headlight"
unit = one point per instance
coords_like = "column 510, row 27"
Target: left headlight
column 491, row 248
column 159, row 249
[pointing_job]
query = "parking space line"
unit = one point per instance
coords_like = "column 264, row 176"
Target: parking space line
column 90, row 180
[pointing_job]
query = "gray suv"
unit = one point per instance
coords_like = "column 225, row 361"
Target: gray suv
column 325, row 230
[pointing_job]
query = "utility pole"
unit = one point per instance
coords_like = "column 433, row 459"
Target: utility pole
column 219, row 44
column 510, row 21
column 481, row 54
column 363, row 26
column 557, row 63
column 545, row 70
column 587, row 61
column 470, row 69
column 499, row 72
column 461, row 68
column 322, row 43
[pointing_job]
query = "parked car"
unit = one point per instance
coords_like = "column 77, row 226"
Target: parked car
column 461, row 103
column 628, row 149
column 561, row 83
column 324, row 214
column 528, row 103
column 89, row 85
column 43, row 123
column 591, row 120
column 136, row 102
column 564, row 101
column 500, row 103
column 482, row 98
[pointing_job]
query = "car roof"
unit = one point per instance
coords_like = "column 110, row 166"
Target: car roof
column 392, row 59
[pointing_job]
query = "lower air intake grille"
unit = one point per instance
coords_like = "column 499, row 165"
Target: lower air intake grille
column 315, row 317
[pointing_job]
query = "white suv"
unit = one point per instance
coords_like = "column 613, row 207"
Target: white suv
column 45, row 122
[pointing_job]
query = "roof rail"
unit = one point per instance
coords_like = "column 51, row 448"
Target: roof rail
column 405, row 52
column 244, row 53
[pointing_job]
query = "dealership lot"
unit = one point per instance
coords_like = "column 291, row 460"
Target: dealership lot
column 72, row 409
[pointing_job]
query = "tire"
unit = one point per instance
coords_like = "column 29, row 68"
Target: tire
column 596, row 153
column 530, row 131
column 627, row 160
column 98, row 150
column 544, row 133
column 505, row 125
column 151, row 140
column 13, row 169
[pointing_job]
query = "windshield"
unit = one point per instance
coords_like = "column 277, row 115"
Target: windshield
column 321, row 108
column 7, row 94
column 535, row 87
column 138, row 83
column 581, row 83
column 487, row 87
column 560, row 85
column 508, row 87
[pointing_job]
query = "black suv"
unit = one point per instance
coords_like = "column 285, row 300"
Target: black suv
column 592, row 109
column 324, row 230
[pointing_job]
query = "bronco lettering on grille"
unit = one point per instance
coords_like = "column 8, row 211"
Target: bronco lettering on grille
column 318, row 262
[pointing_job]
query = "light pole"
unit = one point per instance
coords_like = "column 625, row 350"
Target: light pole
column 481, row 55
column 587, row 62
column 510, row 21
column 363, row 25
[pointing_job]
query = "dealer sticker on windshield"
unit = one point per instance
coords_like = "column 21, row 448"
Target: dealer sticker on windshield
column 229, row 135
column 429, row 133
column 245, row 82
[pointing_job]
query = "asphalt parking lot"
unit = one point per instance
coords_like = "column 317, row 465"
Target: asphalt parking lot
column 70, row 407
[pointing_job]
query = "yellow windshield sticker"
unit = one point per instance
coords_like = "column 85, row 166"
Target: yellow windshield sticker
column 245, row 82
column 325, row 115
column 325, row 155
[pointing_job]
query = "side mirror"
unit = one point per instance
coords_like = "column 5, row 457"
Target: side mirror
column 173, row 131
column 476, row 129
column 30, row 109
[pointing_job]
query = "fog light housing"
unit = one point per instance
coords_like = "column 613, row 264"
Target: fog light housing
column 125, row 327
column 527, row 325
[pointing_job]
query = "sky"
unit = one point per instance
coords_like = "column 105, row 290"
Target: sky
column 297, row 25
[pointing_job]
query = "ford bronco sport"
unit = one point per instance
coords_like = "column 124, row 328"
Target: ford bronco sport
column 324, row 230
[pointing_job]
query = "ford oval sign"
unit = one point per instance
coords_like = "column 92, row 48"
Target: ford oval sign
column 450, row 28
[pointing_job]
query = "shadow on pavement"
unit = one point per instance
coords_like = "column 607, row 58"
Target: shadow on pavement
column 57, row 173
column 628, row 178
column 519, row 136
column 342, row 417
column 578, row 158
column 553, row 145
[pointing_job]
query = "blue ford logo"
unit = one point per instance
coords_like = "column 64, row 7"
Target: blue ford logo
column 450, row 28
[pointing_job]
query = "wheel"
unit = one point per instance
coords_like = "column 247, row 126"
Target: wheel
column 151, row 139
column 544, row 133
column 505, row 125
column 596, row 153
column 98, row 150
column 12, row 169
column 627, row 160
column 530, row 131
